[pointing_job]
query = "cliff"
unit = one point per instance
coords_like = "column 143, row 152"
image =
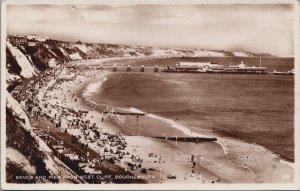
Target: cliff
column 27, row 55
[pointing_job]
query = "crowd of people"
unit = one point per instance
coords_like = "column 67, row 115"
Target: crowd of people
column 41, row 98
column 45, row 97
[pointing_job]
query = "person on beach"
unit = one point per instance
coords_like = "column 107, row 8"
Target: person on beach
column 199, row 176
column 201, row 160
column 192, row 158
column 193, row 173
column 194, row 164
column 212, row 181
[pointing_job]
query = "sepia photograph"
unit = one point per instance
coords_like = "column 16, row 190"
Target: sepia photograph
column 149, row 95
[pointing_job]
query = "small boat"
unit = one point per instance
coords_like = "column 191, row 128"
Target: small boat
column 291, row 72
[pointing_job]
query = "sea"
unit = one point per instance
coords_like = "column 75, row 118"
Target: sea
column 253, row 108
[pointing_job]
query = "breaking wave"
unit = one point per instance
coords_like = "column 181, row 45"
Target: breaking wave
column 94, row 87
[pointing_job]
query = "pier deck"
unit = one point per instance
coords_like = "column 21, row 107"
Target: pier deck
column 189, row 139
column 124, row 113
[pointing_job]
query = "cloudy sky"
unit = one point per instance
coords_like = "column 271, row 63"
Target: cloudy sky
column 256, row 28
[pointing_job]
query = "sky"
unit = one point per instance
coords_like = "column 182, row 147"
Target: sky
column 267, row 28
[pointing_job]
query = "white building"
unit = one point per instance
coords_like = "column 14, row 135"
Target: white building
column 52, row 63
column 196, row 65
column 37, row 37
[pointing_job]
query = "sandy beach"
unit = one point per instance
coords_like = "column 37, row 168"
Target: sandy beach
column 224, row 161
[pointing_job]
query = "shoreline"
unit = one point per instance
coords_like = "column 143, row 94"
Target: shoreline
column 133, row 140
column 224, row 147
column 212, row 164
column 184, row 129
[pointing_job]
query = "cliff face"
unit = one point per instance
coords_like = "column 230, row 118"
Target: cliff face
column 27, row 55
column 26, row 153
column 24, row 157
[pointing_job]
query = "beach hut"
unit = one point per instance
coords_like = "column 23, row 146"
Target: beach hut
column 31, row 43
column 72, row 156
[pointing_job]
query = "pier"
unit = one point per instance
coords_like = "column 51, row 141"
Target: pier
column 129, row 68
column 114, row 68
column 191, row 67
column 124, row 113
column 188, row 139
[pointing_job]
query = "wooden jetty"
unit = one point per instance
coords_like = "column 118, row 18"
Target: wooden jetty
column 189, row 139
column 124, row 113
